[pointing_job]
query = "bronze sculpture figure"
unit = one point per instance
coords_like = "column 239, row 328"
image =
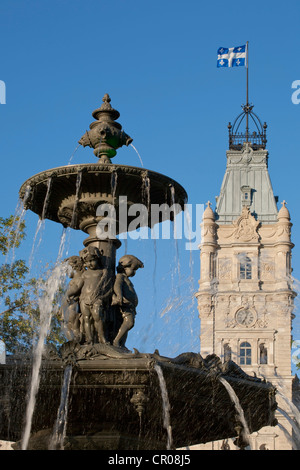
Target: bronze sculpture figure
column 125, row 295
column 70, row 311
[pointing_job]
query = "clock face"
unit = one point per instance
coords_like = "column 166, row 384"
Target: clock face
column 245, row 317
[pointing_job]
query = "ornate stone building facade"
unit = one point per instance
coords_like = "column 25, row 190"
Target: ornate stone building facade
column 245, row 296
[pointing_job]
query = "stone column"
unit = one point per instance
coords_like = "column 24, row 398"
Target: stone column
column 207, row 281
column 208, row 249
column 283, row 248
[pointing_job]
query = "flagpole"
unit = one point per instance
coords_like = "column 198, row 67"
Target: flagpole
column 247, row 92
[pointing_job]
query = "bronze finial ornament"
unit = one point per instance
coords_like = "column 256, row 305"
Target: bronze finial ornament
column 105, row 135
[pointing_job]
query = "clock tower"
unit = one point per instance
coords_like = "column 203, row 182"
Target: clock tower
column 245, row 297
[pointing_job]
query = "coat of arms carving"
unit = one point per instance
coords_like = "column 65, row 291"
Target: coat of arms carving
column 246, row 226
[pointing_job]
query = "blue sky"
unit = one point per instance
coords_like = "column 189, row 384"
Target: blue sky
column 157, row 60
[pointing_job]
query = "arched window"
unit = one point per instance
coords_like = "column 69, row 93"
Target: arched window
column 245, row 354
column 245, row 267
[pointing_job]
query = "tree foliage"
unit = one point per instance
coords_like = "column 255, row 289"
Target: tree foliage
column 12, row 232
column 19, row 295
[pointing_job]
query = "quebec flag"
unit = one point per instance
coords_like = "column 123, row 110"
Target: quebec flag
column 232, row 56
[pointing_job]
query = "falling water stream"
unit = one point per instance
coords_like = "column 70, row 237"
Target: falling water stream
column 113, row 184
column 291, row 405
column 235, row 400
column 59, row 431
column 40, row 225
column 50, row 288
column 293, row 417
column 131, row 145
column 176, row 300
column 292, row 422
column 47, row 198
column 72, row 156
column 287, row 434
column 154, row 276
column 173, row 204
column 77, row 195
column 166, row 405
column 146, row 197
column 189, row 227
column 16, row 224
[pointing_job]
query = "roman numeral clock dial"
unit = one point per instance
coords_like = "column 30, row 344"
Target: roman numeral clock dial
column 245, row 317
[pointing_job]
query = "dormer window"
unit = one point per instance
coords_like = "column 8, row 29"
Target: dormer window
column 246, row 195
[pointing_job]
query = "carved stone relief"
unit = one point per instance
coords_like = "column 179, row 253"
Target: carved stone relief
column 244, row 228
column 267, row 269
column 224, row 269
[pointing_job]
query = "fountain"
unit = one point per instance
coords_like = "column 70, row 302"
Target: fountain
column 92, row 392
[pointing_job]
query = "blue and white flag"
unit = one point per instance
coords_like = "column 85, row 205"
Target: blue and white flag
column 232, row 56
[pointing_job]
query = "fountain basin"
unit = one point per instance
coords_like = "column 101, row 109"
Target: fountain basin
column 116, row 403
column 82, row 188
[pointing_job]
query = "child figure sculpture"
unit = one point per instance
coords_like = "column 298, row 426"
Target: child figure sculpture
column 125, row 296
column 69, row 311
column 94, row 288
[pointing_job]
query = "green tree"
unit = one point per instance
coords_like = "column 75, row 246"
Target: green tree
column 20, row 314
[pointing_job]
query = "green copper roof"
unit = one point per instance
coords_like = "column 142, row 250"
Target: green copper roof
column 246, row 182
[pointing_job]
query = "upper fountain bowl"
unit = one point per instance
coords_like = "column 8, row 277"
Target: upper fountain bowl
column 72, row 194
